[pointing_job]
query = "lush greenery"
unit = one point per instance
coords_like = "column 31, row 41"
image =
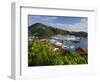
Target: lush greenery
column 41, row 30
column 39, row 54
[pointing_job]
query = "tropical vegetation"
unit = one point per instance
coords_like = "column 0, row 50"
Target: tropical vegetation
column 40, row 54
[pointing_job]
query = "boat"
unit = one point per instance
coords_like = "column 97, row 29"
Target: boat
column 76, row 41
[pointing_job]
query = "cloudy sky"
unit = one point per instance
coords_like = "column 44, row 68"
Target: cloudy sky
column 62, row 22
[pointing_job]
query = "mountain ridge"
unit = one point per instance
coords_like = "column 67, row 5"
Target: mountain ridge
column 42, row 30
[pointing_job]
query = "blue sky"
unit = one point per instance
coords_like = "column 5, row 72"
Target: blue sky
column 62, row 22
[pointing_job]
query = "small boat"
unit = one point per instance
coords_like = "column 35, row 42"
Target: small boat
column 57, row 43
column 76, row 41
column 65, row 47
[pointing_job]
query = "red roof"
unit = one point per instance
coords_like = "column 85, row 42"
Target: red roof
column 79, row 50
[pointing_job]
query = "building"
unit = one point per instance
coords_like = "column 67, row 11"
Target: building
column 68, row 42
column 30, row 38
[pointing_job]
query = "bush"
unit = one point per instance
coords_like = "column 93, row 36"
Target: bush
column 39, row 54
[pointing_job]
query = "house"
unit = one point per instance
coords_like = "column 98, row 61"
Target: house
column 53, row 50
column 68, row 42
column 79, row 50
column 44, row 40
column 31, row 38
column 70, row 37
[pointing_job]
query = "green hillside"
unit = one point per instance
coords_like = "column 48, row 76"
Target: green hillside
column 41, row 30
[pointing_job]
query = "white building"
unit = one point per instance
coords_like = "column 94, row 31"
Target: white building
column 65, row 42
column 31, row 38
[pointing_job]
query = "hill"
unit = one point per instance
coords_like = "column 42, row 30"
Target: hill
column 41, row 30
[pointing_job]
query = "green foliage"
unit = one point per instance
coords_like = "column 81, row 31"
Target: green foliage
column 41, row 30
column 79, row 34
column 39, row 54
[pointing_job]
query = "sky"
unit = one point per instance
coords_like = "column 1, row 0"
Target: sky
column 63, row 22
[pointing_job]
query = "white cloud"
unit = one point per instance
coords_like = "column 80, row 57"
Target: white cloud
column 80, row 26
column 48, row 19
column 42, row 19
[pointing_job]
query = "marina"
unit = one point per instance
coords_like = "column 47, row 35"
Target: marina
column 68, row 42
